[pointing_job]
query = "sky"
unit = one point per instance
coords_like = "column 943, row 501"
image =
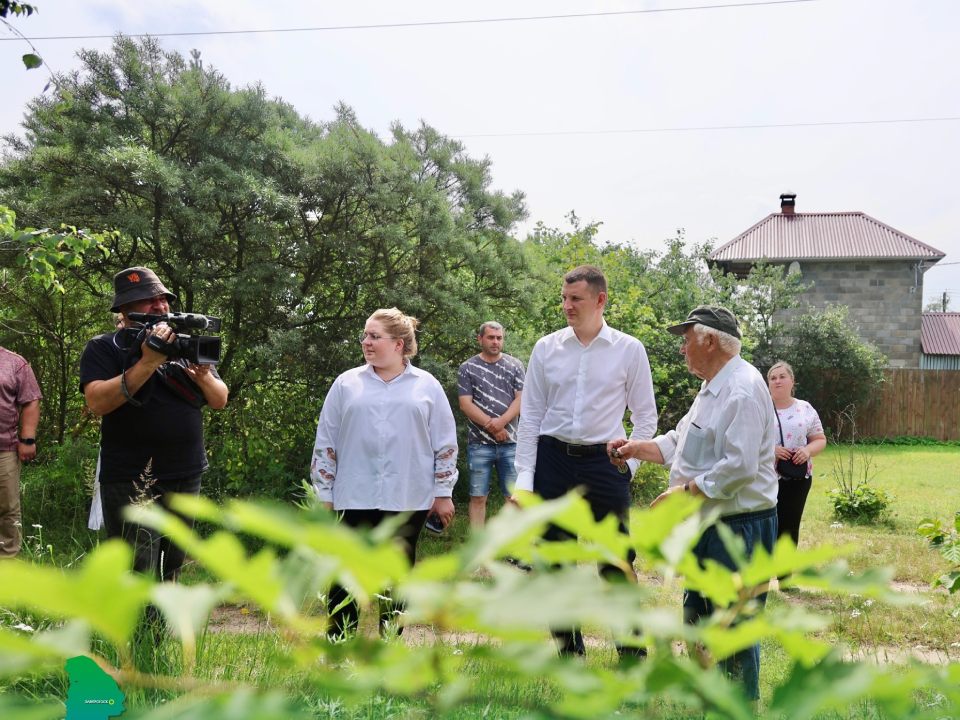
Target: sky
column 593, row 114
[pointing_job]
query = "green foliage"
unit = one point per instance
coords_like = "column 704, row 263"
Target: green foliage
column 862, row 504
column 290, row 230
column 262, row 446
column 649, row 481
column 909, row 441
column 833, row 366
column 947, row 542
column 766, row 290
column 45, row 251
column 855, row 499
column 50, row 328
column 650, row 290
column 307, row 550
column 55, row 495
column 8, row 7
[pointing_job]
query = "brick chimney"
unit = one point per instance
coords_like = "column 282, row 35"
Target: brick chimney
column 787, row 202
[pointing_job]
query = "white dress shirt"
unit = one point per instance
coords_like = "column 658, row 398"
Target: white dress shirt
column 385, row 446
column 578, row 394
column 725, row 443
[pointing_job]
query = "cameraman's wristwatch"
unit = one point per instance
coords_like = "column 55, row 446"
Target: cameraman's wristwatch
column 28, row 441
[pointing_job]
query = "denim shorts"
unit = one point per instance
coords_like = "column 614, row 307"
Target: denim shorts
column 481, row 460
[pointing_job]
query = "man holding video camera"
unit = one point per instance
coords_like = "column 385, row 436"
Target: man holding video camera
column 152, row 429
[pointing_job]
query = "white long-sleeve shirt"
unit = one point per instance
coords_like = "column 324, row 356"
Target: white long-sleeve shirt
column 578, row 394
column 385, row 446
column 725, row 443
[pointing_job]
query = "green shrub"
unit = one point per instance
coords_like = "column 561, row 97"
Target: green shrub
column 948, row 543
column 650, row 481
column 906, row 441
column 863, row 504
column 55, row 495
column 854, row 499
column 94, row 609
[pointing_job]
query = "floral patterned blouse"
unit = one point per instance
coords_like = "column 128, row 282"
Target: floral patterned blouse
column 799, row 422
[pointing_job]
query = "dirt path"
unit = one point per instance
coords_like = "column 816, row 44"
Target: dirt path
column 234, row 619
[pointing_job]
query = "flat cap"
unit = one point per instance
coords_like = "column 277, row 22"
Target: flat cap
column 713, row 316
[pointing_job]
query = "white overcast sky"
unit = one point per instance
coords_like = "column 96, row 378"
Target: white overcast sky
column 805, row 62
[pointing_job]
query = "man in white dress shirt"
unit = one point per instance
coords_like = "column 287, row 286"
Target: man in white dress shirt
column 579, row 382
column 722, row 450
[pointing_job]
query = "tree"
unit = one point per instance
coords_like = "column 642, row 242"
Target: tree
column 766, row 290
column 834, row 367
column 940, row 305
column 290, row 230
column 648, row 291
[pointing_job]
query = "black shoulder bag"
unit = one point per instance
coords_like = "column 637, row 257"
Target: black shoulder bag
column 788, row 469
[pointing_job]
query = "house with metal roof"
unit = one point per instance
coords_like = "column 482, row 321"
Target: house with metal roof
column 845, row 258
column 940, row 340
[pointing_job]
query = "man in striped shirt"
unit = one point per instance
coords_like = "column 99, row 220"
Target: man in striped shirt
column 490, row 385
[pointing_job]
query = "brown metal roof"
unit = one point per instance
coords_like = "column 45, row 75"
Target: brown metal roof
column 816, row 236
column 940, row 333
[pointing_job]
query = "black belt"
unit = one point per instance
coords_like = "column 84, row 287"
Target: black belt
column 575, row 450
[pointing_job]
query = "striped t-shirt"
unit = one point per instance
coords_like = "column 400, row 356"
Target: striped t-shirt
column 493, row 387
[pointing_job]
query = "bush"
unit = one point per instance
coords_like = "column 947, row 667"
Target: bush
column 863, row 504
column 948, row 543
column 834, row 367
column 855, row 500
column 55, row 495
column 650, row 481
column 906, row 441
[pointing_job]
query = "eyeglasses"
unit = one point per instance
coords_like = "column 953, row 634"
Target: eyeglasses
column 373, row 337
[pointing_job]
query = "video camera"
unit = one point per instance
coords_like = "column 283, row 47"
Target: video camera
column 197, row 349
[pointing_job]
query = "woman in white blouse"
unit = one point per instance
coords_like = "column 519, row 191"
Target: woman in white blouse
column 803, row 438
column 386, row 444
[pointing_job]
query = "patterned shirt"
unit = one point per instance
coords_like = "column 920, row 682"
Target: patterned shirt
column 493, row 387
column 385, row 446
column 18, row 387
column 799, row 422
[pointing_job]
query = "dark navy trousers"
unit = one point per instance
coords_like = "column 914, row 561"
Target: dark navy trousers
column 607, row 491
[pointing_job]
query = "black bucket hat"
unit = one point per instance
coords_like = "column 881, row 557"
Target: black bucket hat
column 713, row 316
column 137, row 283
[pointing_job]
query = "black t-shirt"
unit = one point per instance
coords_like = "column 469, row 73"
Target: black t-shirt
column 165, row 431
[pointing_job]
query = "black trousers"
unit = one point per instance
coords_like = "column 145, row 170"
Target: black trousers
column 153, row 553
column 608, row 492
column 345, row 611
column 791, row 499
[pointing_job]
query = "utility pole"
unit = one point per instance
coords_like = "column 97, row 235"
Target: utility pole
column 944, row 301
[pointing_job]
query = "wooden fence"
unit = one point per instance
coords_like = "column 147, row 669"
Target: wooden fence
column 915, row 403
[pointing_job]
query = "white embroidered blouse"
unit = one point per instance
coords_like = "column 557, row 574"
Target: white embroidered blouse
column 385, row 446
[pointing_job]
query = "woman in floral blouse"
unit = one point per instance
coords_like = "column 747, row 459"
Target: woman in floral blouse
column 803, row 438
column 386, row 444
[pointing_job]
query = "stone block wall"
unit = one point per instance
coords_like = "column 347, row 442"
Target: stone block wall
column 881, row 302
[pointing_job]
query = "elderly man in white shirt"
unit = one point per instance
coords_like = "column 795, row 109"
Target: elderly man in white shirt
column 579, row 382
column 722, row 450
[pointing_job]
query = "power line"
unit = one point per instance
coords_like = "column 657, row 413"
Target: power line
column 435, row 23
column 707, row 127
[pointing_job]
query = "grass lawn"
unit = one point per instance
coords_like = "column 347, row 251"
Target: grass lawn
column 926, row 483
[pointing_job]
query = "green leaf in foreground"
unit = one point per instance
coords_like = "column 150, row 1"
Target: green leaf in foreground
column 104, row 592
